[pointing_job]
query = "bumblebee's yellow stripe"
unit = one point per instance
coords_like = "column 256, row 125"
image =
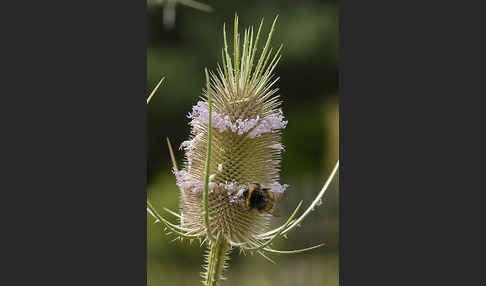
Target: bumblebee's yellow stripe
column 268, row 207
column 270, row 194
column 250, row 191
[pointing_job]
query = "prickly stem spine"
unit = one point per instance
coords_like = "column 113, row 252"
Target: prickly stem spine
column 216, row 261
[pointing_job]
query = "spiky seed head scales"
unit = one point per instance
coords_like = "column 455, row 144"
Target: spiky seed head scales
column 246, row 144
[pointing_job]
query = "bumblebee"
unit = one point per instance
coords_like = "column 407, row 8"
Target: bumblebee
column 262, row 199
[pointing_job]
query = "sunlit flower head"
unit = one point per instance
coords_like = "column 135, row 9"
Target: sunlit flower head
column 246, row 122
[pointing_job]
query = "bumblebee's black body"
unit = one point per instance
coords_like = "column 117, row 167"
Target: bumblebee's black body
column 260, row 198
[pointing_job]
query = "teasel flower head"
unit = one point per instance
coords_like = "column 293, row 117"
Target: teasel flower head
column 234, row 142
column 246, row 125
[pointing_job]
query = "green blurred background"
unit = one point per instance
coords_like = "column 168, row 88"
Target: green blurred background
column 309, row 89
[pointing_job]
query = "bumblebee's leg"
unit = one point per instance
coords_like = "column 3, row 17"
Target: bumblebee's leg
column 268, row 207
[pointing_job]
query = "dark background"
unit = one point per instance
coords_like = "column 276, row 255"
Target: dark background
column 308, row 86
column 74, row 153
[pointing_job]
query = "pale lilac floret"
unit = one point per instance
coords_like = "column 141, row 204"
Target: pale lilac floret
column 233, row 198
column 269, row 124
column 180, row 177
column 186, row 145
column 189, row 145
column 198, row 186
column 233, row 187
column 243, row 126
column 184, row 182
column 277, row 188
column 200, row 112
column 254, row 126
